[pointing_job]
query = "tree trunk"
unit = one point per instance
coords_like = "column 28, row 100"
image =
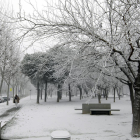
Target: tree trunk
column 2, row 76
column 85, row 90
column 99, row 98
column 136, row 105
column 41, row 93
column 58, row 92
column 16, row 89
column 1, row 85
column 98, row 92
column 76, row 91
column 46, row 84
column 38, row 92
column 80, row 89
column 131, row 95
column 69, row 92
column 106, row 93
column 21, row 89
column 8, row 93
column 119, row 94
column 13, row 92
column 114, row 94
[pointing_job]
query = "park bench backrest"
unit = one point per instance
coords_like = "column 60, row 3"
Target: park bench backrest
column 86, row 107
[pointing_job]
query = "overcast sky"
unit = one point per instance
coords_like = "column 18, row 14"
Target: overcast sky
column 25, row 7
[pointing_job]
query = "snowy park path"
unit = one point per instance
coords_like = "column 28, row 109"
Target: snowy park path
column 37, row 121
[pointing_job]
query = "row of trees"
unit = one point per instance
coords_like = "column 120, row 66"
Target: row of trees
column 10, row 55
column 64, row 66
column 51, row 67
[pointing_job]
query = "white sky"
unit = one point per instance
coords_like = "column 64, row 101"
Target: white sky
column 25, row 7
column 25, row 4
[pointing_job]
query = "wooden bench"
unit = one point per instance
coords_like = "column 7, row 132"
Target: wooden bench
column 96, row 108
column 102, row 111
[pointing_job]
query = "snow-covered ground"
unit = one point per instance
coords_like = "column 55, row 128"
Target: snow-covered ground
column 37, row 121
column 4, row 111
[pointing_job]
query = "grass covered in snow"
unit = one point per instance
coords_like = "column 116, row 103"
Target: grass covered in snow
column 38, row 120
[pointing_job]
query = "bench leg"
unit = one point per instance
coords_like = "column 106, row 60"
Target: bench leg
column 109, row 113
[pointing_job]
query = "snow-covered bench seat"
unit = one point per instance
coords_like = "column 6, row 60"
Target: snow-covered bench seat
column 102, row 111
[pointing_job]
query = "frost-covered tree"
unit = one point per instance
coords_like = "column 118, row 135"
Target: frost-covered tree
column 62, row 62
column 9, row 48
column 46, row 70
column 38, row 67
column 29, row 67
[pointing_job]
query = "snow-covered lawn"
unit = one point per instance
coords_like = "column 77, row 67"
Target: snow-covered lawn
column 39, row 120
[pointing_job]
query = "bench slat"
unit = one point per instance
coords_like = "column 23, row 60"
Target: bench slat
column 78, row 109
column 104, row 109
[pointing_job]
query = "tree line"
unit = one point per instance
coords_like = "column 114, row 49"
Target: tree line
column 64, row 66
column 10, row 56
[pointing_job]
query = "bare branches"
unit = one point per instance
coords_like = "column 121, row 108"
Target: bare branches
column 102, row 25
